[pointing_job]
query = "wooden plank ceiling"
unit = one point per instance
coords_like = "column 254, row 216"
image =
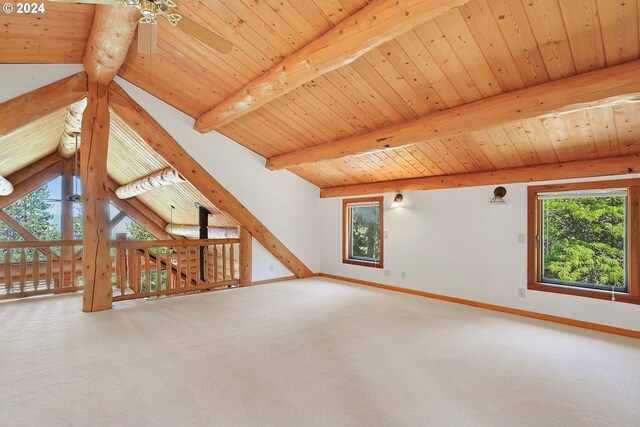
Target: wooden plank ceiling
column 484, row 48
column 32, row 142
column 125, row 145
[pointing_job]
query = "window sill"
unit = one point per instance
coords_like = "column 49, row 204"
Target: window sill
column 583, row 292
column 362, row 263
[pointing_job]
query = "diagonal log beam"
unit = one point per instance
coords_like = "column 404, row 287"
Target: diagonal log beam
column 372, row 26
column 608, row 86
column 578, row 169
column 118, row 219
column 160, row 140
column 17, row 227
column 109, row 40
column 24, row 109
column 31, row 183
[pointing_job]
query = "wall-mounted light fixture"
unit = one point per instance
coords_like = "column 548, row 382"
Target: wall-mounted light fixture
column 498, row 195
column 397, row 201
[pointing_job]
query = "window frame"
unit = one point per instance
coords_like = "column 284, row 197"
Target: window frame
column 534, row 250
column 345, row 231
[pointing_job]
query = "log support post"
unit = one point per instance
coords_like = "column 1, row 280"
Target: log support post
column 245, row 257
column 96, row 266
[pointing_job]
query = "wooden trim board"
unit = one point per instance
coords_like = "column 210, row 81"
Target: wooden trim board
column 525, row 313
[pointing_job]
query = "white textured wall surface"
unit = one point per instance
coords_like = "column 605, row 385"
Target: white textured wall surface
column 454, row 242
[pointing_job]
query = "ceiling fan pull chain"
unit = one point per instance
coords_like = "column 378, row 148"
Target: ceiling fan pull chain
column 174, row 18
column 147, row 20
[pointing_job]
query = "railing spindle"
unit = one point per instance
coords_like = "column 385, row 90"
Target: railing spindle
column 147, row 270
column 215, row 263
column 72, row 252
column 224, row 262
column 49, row 268
column 61, row 269
column 158, row 270
column 35, row 270
column 179, row 275
column 232, row 262
column 23, row 269
column 7, row 271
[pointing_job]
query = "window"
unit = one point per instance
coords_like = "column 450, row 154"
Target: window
column 362, row 231
column 584, row 239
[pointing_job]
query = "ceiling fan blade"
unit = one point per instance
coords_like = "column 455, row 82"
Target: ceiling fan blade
column 112, row 2
column 204, row 35
column 147, row 37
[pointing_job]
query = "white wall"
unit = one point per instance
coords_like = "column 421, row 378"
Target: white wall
column 284, row 203
column 18, row 79
column 454, row 242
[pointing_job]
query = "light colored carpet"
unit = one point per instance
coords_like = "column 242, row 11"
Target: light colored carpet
column 310, row 352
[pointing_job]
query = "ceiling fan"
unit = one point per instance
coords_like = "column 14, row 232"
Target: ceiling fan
column 147, row 24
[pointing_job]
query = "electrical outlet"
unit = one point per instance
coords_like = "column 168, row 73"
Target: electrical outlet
column 386, row 234
column 270, row 267
column 403, row 274
column 387, row 272
column 522, row 238
column 521, row 292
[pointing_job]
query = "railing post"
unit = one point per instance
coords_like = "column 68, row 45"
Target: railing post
column 245, row 257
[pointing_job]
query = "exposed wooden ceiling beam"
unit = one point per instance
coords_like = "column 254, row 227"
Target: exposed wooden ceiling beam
column 160, row 140
column 17, row 227
column 109, row 40
column 118, row 218
column 72, row 126
column 24, row 109
column 597, row 88
column 372, row 26
column 31, row 183
column 161, row 178
column 579, row 169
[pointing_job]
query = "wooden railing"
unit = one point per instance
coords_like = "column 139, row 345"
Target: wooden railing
column 40, row 267
column 139, row 268
column 166, row 267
